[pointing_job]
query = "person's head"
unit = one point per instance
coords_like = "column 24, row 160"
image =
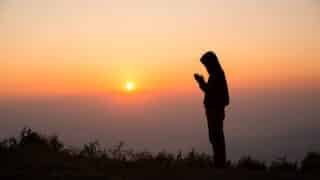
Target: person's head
column 211, row 62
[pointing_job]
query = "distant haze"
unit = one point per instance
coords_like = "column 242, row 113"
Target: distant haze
column 64, row 64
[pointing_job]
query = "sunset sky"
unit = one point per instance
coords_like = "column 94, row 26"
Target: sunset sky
column 65, row 64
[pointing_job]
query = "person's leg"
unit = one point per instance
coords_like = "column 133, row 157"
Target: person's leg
column 210, row 119
column 219, row 140
column 220, row 147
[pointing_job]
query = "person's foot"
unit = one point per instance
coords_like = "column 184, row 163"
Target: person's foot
column 219, row 166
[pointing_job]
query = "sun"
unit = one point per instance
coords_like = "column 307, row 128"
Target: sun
column 130, row 86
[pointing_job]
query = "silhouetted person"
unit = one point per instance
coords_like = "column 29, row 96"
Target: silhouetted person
column 215, row 100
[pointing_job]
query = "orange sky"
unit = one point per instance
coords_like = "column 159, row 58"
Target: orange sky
column 93, row 47
column 63, row 66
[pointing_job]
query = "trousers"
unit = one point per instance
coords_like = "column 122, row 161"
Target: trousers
column 215, row 118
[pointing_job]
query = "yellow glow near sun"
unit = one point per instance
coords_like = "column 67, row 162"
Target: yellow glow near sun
column 130, row 86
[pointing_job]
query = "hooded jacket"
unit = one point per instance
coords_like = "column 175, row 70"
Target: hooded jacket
column 216, row 89
column 216, row 93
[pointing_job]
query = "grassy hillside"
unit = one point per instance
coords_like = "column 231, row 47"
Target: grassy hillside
column 35, row 155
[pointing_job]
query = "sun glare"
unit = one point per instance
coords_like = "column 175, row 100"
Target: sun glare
column 130, row 86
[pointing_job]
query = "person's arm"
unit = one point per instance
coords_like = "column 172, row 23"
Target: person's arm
column 226, row 91
column 201, row 82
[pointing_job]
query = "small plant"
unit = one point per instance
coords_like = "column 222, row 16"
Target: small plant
column 283, row 165
column 55, row 144
column 32, row 138
column 118, row 152
column 311, row 163
column 91, row 150
column 195, row 159
column 164, row 156
column 251, row 164
column 165, row 159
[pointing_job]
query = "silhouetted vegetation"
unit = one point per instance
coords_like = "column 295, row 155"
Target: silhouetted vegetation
column 34, row 154
column 283, row 165
column 251, row 164
column 311, row 163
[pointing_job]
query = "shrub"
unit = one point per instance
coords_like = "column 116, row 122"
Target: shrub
column 251, row 164
column 91, row 150
column 311, row 163
column 282, row 165
column 195, row 159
